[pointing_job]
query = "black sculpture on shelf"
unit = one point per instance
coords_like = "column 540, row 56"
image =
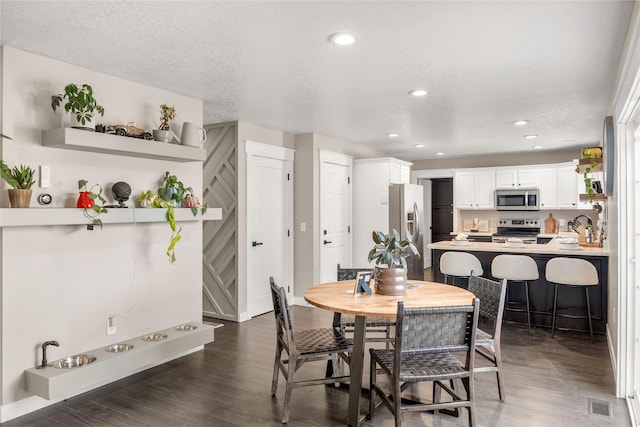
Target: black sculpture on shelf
column 121, row 192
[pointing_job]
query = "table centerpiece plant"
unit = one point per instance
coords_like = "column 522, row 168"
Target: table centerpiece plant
column 392, row 251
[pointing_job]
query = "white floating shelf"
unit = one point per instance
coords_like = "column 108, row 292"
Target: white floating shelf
column 82, row 140
column 54, row 383
column 13, row 217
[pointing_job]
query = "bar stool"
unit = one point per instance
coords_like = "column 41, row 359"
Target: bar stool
column 459, row 264
column 516, row 268
column 571, row 272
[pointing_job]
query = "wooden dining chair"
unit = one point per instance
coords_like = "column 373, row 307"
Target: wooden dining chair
column 374, row 325
column 295, row 348
column 492, row 297
column 425, row 341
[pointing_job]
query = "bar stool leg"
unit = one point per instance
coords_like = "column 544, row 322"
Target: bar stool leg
column 553, row 316
column 526, row 290
column 586, row 292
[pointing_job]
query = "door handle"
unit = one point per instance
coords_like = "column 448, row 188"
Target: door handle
column 326, row 242
column 254, row 243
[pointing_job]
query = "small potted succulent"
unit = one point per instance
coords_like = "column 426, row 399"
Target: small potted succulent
column 90, row 199
column 392, row 251
column 163, row 133
column 20, row 179
column 80, row 103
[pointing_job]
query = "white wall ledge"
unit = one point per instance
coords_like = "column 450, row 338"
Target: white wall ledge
column 29, row 217
column 82, row 140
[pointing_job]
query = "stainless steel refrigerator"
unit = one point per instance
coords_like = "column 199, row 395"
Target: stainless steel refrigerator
column 406, row 215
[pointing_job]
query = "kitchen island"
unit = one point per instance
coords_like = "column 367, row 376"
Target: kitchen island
column 541, row 292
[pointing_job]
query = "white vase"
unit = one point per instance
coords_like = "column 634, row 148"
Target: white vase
column 162, row 135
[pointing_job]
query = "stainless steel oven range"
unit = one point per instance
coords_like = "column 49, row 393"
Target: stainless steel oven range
column 525, row 229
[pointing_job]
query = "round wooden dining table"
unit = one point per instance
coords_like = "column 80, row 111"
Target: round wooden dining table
column 339, row 297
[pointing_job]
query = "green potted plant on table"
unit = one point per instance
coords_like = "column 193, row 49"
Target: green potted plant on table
column 392, row 251
column 163, row 133
column 80, row 103
column 89, row 199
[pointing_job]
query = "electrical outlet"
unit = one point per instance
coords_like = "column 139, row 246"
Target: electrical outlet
column 111, row 325
column 561, row 222
column 303, row 226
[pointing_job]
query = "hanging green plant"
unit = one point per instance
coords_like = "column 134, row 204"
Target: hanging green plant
column 91, row 200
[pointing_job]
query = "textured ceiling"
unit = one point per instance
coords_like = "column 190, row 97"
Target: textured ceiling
column 484, row 64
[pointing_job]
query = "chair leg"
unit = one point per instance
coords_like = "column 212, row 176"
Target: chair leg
column 287, row 394
column 276, row 373
column 468, row 385
column 498, row 360
column 555, row 306
column 526, row 290
column 586, row 292
column 372, row 390
column 396, row 393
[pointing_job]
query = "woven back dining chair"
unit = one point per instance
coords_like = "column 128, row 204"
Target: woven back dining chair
column 295, row 348
column 374, row 325
column 425, row 341
column 492, row 300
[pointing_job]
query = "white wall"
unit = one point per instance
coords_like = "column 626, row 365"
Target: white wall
column 61, row 283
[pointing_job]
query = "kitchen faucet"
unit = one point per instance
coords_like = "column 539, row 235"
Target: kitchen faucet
column 44, row 352
column 576, row 223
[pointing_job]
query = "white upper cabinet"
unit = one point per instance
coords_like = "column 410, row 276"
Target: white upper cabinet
column 549, row 188
column 567, row 187
column 474, row 189
column 518, row 178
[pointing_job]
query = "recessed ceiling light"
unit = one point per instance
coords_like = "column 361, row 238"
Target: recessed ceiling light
column 418, row 92
column 521, row 122
column 393, row 135
column 439, row 153
column 537, row 147
column 530, row 136
column 419, row 145
column 343, row 39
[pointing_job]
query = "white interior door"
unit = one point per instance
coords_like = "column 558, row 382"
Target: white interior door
column 269, row 220
column 335, row 213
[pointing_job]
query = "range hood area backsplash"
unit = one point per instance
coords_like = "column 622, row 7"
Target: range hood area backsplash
column 494, row 216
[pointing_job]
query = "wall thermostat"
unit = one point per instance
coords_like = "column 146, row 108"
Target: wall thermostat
column 45, row 199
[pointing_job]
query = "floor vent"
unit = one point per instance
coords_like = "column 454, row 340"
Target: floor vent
column 599, row 407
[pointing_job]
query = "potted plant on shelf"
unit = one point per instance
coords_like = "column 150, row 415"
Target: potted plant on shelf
column 21, row 180
column 80, row 103
column 392, row 251
column 163, row 133
column 90, row 200
column 171, row 196
column 587, row 174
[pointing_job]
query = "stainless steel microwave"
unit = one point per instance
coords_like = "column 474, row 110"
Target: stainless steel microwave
column 521, row 199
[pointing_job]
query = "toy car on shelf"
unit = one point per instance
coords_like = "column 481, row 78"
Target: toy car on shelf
column 130, row 129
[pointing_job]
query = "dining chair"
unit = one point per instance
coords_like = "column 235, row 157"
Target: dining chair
column 425, row 341
column 571, row 272
column 459, row 265
column 374, row 325
column 492, row 297
column 295, row 348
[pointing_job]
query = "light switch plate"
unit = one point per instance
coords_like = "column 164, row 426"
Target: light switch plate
column 45, row 176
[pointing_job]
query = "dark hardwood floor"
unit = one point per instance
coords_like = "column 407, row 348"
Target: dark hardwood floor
column 549, row 382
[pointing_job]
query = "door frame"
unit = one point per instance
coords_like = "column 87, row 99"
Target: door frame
column 418, row 177
column 258, row 149
column 324, row 157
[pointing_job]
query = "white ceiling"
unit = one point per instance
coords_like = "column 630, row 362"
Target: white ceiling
column 484, row 64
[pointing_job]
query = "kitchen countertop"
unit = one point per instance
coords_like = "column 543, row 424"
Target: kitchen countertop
column 543, row 235
column 550, row 248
